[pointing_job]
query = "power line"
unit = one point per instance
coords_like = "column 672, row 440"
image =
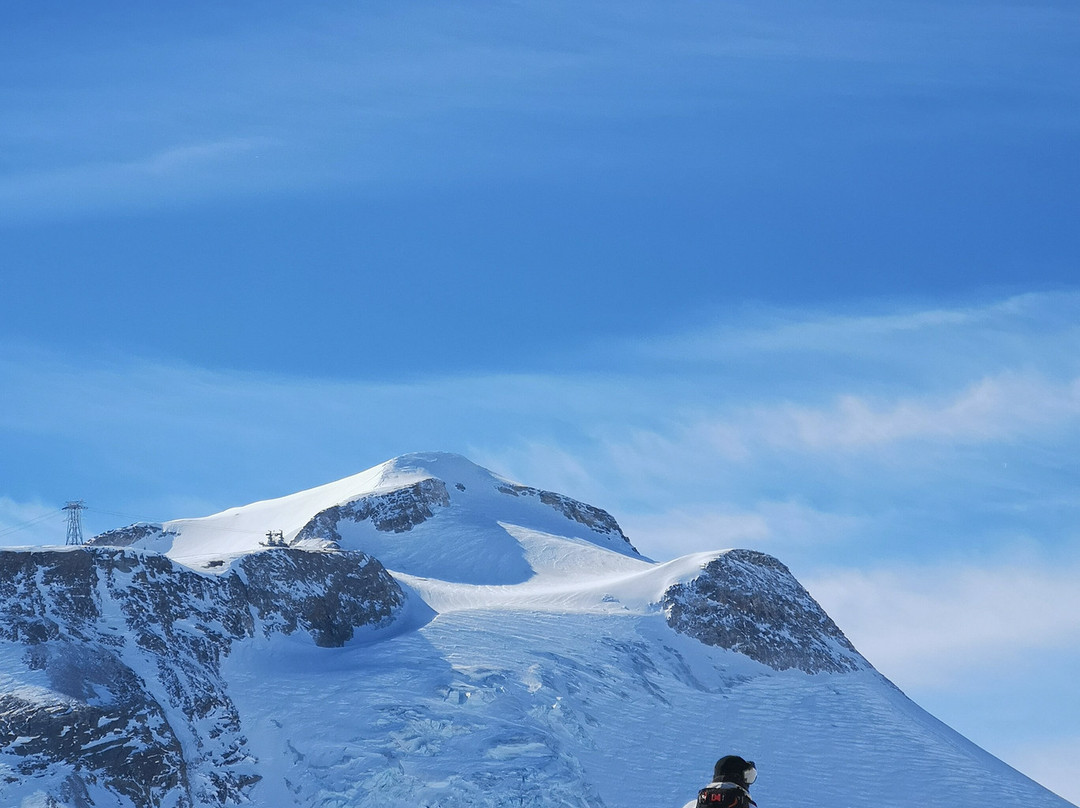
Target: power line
column 24, row 525
column 75, row 531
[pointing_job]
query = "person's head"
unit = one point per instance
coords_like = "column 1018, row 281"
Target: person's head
column 734, row 769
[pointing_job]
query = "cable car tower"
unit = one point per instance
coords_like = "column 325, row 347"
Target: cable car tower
column 74, row 521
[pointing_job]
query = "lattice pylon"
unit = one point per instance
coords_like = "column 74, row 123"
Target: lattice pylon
column 74, row 522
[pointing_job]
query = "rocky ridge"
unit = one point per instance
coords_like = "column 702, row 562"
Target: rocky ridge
column 129, row 679
column 129, row 535
column 397, row 511
column 749, row 602
column 121, row 653
column 596, row 519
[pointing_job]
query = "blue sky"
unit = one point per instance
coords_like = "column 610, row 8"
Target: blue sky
column 801, row 277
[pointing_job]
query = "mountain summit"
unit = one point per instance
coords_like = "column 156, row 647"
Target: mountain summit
column 431, row 514
column 429, row 633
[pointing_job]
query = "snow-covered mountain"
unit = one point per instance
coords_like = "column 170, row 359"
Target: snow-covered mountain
column 427, row 633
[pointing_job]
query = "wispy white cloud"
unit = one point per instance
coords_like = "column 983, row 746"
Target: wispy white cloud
column 709, row 455
column 703, row 448
column 1051, row 763
column 995, row 409
column 774, row 527
column 773, row 381
column 537, row 462
column 899, row 338
column 187, row 171
column 194, row 156
column 939, row 624
column 31, row 523
column 988, row 646
column 426, row 93
column 998, row 408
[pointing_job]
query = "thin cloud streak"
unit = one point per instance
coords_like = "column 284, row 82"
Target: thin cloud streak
column 937, row 625
column 995, row 409
column 774, row 527
column 419, row 95
column 623, row 438
column 904, row 337
column 882, row 484
column 30, row 523
column 187, row 171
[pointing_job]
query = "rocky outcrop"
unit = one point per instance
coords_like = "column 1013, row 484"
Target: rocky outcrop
column 395, row 511
column 118, row 691
column 127, row 536
column 292, row 591
column 751, row 603
column 596, row 519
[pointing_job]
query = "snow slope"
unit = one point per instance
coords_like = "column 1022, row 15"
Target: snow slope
column 402, row 512
column 533, row 658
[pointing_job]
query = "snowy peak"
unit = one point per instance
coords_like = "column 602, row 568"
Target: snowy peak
column 428, row 514
column 458, row 474
column 429, row 633
column 446, row 466
column 749, row 602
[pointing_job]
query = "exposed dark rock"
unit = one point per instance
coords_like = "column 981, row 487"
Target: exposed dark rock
column 168, row 734
column 126, row 536
column 292, row 589
column 751, row 603
column 596, row 519
column 129, row 744
column 395, row 511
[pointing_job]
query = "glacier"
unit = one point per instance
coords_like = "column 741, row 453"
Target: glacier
column 427, row 633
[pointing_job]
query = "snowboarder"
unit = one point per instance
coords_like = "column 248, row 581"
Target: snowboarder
column 730, row 786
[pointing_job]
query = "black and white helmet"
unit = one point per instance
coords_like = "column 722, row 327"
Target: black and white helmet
column 734, row 769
